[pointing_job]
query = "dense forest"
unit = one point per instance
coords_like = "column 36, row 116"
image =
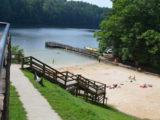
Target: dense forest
column 59, row 13
column 133, row 30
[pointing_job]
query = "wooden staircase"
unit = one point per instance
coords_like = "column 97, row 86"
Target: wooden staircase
column 75, row 84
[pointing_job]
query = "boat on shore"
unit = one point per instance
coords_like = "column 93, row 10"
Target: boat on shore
column 92, row 49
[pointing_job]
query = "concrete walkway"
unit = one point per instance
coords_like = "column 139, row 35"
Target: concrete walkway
column 36, row 106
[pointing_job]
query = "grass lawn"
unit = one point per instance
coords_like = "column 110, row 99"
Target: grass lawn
column 16, row 110
column 70, row 107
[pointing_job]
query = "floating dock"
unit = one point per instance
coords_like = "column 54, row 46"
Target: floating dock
column 74, row 49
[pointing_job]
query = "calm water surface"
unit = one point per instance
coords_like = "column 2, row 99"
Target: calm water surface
column 33, row 43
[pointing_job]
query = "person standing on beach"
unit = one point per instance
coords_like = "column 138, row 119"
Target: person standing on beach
column 53, row 61
column 99, row 60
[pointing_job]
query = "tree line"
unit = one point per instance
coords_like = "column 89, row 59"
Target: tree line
column 133, row 30
column 58, row 13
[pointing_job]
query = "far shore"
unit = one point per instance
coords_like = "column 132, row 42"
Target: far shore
column 128, row 97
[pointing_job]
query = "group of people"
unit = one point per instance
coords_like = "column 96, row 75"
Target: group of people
column 131, row 79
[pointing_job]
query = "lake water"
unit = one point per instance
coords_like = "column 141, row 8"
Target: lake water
column 32, row 40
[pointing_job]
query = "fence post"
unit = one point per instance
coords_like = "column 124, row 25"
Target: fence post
column 44, row 70
column 104, row 97
column 78, row 79
column 77, row 86
column 96, row 96
column 66, row 77
column 22, row 64
column 56, row 73
column 31, row 62
column 5, row 112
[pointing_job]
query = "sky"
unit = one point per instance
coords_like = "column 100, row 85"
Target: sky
column 100, row 3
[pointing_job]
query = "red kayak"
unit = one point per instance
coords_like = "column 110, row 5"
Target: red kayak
column 143, row 86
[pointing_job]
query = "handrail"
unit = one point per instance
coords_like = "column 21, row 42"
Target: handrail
column 36, row 60
column 94, row 88
column 92, row 80
column 43, row 63
column 3, row 42
column 61, row 73
column 66, row 75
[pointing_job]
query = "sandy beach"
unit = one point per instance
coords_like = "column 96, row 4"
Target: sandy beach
column 128, row 97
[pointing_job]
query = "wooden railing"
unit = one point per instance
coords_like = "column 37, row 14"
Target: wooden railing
column 5, row 61
column 90, row 85
column 67, row 80
column 62, row 78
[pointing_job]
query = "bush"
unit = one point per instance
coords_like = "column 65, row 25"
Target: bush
column 17, row 54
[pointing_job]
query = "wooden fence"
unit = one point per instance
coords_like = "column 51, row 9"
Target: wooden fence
column 75, row 84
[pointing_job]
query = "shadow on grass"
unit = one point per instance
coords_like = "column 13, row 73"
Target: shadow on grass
column 112, row 108
column 105, row 106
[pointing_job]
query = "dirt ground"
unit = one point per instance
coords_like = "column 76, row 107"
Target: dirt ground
column 128, row 96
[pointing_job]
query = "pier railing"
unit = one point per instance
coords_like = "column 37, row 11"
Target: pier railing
column 5, row 61
column 76, row 84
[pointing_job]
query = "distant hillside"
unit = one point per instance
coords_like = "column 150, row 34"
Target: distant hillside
column 58, row 13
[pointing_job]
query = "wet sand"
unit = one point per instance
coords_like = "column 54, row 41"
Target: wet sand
column 128, row 97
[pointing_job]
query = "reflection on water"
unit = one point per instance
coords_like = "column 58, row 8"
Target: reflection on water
column 33, row 43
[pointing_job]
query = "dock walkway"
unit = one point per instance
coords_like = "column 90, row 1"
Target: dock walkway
column 74, row 49
column 36, row 106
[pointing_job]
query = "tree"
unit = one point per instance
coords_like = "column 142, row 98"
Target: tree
column 59, row 13
column 133, row 31
column 17, row 54
column 5, row 10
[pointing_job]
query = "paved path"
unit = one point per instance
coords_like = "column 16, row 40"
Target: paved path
column 36, row 106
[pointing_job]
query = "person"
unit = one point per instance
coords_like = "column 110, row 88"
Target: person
column 137, row 66
column 53, row 61
column 99, row 60
column 139, row 69
column 115, row 60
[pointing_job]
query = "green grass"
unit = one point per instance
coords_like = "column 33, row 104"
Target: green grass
column 16, row 110
column 70, row 107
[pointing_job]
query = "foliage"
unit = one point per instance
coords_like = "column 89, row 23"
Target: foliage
column 59, row 13
column 133, row 31
column 70, row 107
column 16, row 50
column 17, row 54
column 16, row 110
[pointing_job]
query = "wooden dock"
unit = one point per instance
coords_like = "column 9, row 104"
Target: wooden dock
column 75, row 84
column 74, row 49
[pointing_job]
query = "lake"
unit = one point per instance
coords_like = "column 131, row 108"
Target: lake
column 32, row 40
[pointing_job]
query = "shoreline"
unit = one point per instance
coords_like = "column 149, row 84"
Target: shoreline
column 128, row 97
column 72, row 65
